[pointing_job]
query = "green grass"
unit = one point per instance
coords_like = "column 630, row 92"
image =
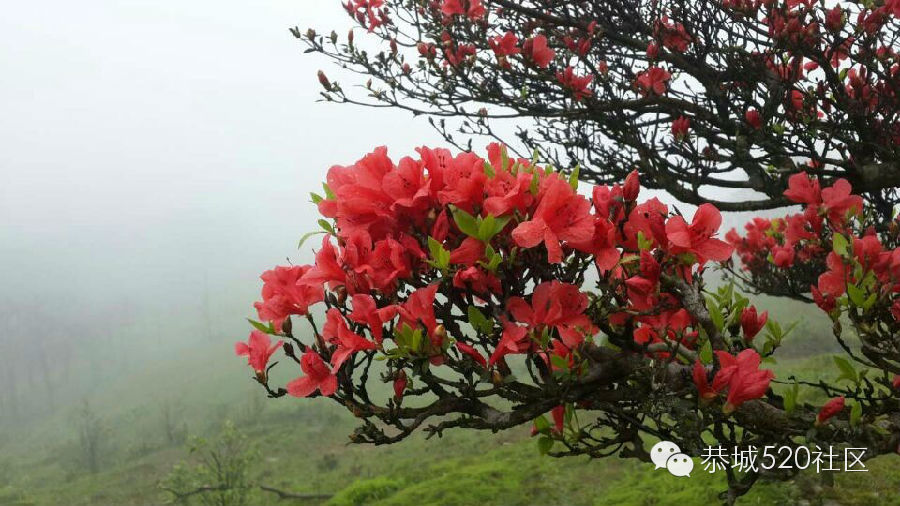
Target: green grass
column 304, row 448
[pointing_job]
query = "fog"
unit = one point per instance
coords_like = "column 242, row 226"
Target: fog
column 155, row 158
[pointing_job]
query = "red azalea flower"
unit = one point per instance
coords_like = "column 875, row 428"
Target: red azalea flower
column 653, row 81
column 578, row 85
column 648, row 218
column 505, row 45
column 704, row 390
column 327, row 269
column 783, row 256
column 558, row 414
column 365, row 12
column 472, row 352
column 360, row 202
column 258, row 349
column 826, row 302
column 804, row 189
column 477, row 281
column 419, row 308
column 348, row 342
column 674, row 36
column 317, row 377
column 743, row 376
column 455, row 55
column 896, row 382
column 753, row 118
column 408, row 187
column 460, row 178
column 470, row 251
column 834, row 19
column 834, row 281
column 632, row 186
column 838, row 200
column 452, row 8
column 747, row 385
column 400, row 383
column 751, row 324
column 602, row 245
column 830, row 409
column 608, row 202
column 537, row 49
column 507, row 193
column 366, row 312
column 557, row 305
column 283, row 294
column 680, row 128
column 697, row 238
column 514, row 339
column 561, row 215
column 642, row 292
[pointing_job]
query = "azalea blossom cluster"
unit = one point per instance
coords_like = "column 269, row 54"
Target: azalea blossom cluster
column 852, row 265
column 464, row 281
column 644, row 84
column 833, row 252
column 416, row 250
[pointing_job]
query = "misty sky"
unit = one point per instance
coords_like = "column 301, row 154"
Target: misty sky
column 145, row 146
column 151, row 152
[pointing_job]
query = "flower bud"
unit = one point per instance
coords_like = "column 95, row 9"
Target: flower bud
column 323, row 80
column 632, row 187
column 829, row 409
column 400, row 383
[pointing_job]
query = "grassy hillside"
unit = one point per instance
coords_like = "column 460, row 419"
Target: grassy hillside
column 302, row 447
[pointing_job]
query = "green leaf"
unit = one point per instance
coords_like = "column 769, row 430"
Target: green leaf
column 846, row 368
column 478, row 321
column 328, row 193
column 268, row 329
column 485, row 228
column 573, row 177
column 307, row 236
column 541, row 424
column 839, row 245
column 855, row 413
column 489, row 169
column 790, row 398
column 326, row 226
column 706, row 352
column 315, row 197
column 466, row 222
column 643, row 242
column 416, row 341
column 716, row 316
column 535, row 184
column 440, row 257
column 545, row 444
column 857, row 296
column 559, row 362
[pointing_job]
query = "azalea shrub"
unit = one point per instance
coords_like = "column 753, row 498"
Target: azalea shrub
column 454, row 291
column 698, row 95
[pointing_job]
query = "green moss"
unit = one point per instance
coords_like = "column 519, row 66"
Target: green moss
column 364, row 492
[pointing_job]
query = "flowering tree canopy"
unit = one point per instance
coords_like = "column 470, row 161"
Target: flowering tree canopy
column 697, row 95
column 455, row 291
